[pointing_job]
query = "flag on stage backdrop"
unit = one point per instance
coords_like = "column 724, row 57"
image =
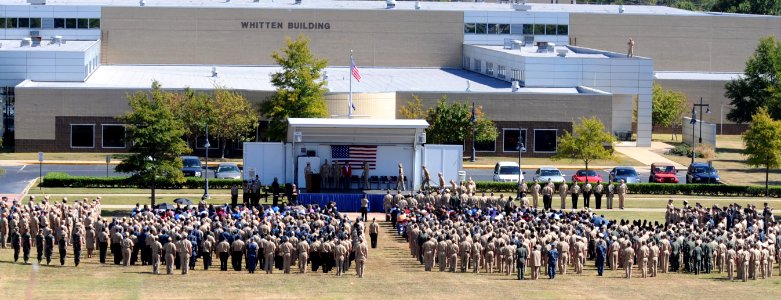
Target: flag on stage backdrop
column 355, row 155
column 354, row 70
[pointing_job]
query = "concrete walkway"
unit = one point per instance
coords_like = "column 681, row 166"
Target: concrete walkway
column 647, row 155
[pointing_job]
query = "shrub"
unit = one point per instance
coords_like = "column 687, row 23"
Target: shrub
column 56, row 179
column 705, row 151
column 681, row 150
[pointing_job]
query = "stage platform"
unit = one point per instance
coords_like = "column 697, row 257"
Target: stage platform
column 347, row 200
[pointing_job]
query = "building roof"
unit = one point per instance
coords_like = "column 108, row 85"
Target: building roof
column 380, row 5
column 703, row 76
column 257, row 78
column 358, row 123
column 571, row 52
column 46, row 45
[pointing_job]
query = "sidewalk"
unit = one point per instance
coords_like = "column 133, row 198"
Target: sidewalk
column 647, row 155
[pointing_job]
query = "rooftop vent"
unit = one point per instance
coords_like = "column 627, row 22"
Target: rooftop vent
column 390, row 4
column 214, row 72
column 562, row 52
column 621, row 9
column 528, row 40
column 417, row 5
column 521, row 6
column 26, row 42
column 56, row 40
column 516, row 85
column 142, row 3
column 545, row 47
column 298, row 2
column 37, row 2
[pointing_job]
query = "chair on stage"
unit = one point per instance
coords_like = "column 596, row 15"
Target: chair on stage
column 356, row 180
column 392, row 182
column 373, row 180
column 383, row 180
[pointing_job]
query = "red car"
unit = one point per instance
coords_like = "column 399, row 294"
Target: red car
column 586, row 175
column 663, row 173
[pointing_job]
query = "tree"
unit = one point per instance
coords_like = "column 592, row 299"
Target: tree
column 754, row 7
column 194, row 109
column 668, row 108
column 587, row 143
column 156, row 138
column 759, row 86
column 300, row 90
column 233, row 118
column 450, row 123
column 763, row 143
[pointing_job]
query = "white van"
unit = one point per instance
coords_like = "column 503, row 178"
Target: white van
column 506, row 171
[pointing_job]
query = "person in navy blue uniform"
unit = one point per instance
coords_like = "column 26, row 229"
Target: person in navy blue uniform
column 48, row 248
column 600, row 257
column 252, row 256
column 16, row 243
column 553, row 256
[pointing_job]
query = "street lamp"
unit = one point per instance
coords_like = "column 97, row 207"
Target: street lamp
column 694, row 122
column 473, row 120
column 206, row 170
column 521, row 148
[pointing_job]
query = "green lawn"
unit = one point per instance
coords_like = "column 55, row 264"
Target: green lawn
column 105, row 191
column 60, row 156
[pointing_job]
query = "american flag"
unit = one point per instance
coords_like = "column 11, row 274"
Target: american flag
column 355, row 155
column 354, row 69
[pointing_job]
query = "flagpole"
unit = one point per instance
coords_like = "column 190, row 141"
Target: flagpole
column 350, row 99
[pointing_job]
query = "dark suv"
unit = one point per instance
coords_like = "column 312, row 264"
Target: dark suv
column 191, row 166
column 702, row 173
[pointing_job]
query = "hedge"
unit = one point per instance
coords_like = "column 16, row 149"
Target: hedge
column 56, row 179
column 656, row 189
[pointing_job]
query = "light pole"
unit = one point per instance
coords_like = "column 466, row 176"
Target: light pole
column 206, row 170
column 473, row 120
column 521, row 148
column 694, row 122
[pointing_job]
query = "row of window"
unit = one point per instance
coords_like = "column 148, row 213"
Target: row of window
column 545, row 141
column 83, row 136
column 528, row 29
column 476, row 65
column 49, row 23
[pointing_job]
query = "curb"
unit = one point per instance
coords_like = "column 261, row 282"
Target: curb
column 28, row 187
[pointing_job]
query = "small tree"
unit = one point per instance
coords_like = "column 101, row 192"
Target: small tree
column 156, row 138
column 758, row 87
column 194, row 109
column 234, row 117
column 300, row 90
column 587, row 143
column 668, row 108
column 450, row 123
column 763, row 143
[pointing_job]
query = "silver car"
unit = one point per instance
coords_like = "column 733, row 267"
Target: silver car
column 228, row 171
column 544, row 174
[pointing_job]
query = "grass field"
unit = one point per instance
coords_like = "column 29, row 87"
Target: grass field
column 729, row 160
column 390, row 274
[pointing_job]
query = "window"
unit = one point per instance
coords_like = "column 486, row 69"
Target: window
column 545, row 140
column 70, row 23
column 47, row 23
column 503, row 28
column 516, row 29
column 528, row 29
column 489, row 69
column 492, row 28
column 469, row 28
column 516, row 75
column 2, row 22
column 480, row 28
column 82, row 23
column 35, row 22
column 59, row 23
column 501, row 72
column 477, row 66
column 10, row 23
column 24, row 23
column 113, row 136
column 467, row 60
column 94, row 23
column 562, row 29
column 539, row 29
column 510, row 139
column 550, row 29
column 82, row 135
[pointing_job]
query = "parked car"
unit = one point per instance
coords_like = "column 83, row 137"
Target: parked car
column 628, row 174
column 663, row 173
column 191, row 166
column 702, row 173
column 586, row 175
column 505, row 171
column 543, row 174
column 228, row 171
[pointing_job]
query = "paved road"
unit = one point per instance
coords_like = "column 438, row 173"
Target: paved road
column 487, row 174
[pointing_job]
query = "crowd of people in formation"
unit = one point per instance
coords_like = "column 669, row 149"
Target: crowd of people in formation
column 247, row 238
column 459, row 232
